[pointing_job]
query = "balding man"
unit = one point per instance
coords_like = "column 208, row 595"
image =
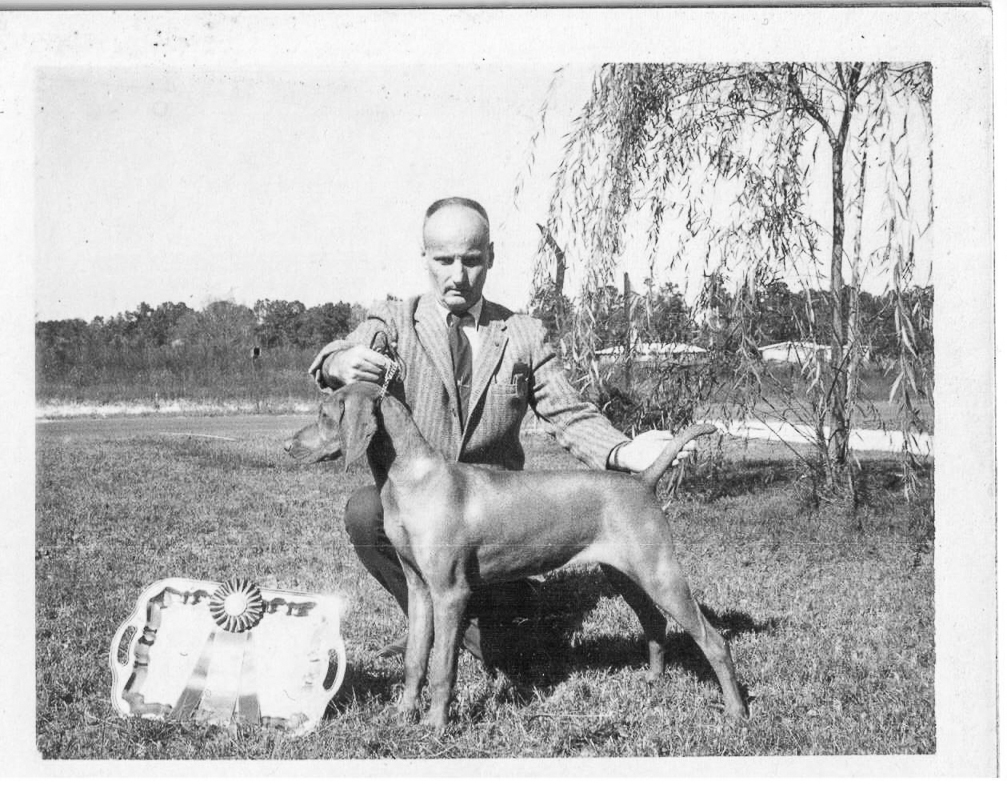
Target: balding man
column 472, row 368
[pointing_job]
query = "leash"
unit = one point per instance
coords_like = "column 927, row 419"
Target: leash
column 391, row 369
column 380, row 343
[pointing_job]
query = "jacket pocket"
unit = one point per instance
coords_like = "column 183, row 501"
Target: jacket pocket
column 504, row 390
column 504, row 404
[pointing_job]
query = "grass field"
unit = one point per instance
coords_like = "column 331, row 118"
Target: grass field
column 830, row 611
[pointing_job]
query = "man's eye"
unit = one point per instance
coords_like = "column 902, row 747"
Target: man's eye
column 472, row 262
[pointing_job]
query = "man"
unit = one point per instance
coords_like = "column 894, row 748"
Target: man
column 471, row 370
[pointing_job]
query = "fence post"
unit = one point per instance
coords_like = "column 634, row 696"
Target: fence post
column 257, row 378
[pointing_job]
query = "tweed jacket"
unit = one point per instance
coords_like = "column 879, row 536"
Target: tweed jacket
column 516, row 368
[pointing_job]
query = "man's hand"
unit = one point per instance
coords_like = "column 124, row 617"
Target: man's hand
column 641, row 452
column 355, row 364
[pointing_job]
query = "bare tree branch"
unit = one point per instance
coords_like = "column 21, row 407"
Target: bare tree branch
column 808, row 107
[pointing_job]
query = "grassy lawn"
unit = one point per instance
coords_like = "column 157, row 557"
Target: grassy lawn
column 830, row 612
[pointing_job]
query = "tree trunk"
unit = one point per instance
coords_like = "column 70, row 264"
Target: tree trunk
column 837, row 388
column 839, row 437
column 840, row 389
column 854, row 335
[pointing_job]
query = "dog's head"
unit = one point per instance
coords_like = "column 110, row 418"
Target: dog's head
column 346, row 423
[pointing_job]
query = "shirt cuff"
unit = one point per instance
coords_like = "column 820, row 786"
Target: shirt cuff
column 318, row 370
column 610, row 463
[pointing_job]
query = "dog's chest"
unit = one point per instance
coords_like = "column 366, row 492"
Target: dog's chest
column 421, row 499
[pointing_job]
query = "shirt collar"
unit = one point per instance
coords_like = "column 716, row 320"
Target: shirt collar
column 475, row 311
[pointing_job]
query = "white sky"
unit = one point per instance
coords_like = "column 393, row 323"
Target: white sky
column 190, row 185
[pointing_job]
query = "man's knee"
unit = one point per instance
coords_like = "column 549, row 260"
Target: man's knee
column 364, row 517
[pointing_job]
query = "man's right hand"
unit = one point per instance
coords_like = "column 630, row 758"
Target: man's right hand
column 355, row 364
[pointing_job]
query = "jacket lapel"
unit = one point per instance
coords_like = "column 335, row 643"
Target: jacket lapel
column 494, row 341
column 432, row 333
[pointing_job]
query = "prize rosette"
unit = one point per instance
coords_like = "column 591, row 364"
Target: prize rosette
column 236, row 605
column 224, row 652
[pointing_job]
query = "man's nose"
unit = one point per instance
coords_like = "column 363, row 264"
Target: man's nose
column 458, row 272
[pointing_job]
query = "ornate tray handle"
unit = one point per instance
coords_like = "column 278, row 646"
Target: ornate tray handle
column 219, row 653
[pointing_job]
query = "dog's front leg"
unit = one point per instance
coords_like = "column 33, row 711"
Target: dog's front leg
column 418, row 641
column 449, row 613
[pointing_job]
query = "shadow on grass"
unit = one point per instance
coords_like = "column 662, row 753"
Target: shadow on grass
column 879, row 477
column 540, row 648
column 362, row 684
column 738, row 479
column 541, row 652
column 886, row 474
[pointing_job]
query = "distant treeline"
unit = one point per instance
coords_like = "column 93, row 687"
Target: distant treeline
column 228, row 351
column 781, row 314
column 224, row 351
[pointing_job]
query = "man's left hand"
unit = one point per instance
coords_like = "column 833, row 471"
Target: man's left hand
column 641, row 452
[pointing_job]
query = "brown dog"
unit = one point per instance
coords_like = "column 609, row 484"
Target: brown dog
column 455, row 526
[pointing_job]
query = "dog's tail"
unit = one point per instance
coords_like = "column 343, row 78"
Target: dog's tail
column 653, row 473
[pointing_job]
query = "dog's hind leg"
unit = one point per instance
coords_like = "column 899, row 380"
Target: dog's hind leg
column 449, row 614
column 651, row 618
column 418, row 641
column 666, row 584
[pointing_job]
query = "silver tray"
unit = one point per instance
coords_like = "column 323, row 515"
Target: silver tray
column 228, row 652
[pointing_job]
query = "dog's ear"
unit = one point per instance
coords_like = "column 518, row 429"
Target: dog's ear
column 357, row 425
column 316, row 442
column 328, row 427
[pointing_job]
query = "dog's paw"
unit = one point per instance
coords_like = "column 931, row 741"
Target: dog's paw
column 740, row 715
column 735, row 713
column 437, row 722
column 407, row 713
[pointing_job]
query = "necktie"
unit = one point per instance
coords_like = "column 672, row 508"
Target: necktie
column 461, row 358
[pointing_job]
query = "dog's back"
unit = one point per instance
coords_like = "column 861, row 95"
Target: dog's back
column 505, row 525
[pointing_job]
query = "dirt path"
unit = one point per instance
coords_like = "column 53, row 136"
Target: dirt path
column 860, row 438
column 230, row 426
column 226, row 424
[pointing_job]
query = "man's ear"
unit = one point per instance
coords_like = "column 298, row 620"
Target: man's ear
column 357, row 426
column 491, row 255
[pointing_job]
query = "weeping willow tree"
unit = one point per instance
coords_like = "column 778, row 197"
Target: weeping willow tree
column 718, row 170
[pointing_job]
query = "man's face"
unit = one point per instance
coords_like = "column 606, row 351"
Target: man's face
column 458, row 253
